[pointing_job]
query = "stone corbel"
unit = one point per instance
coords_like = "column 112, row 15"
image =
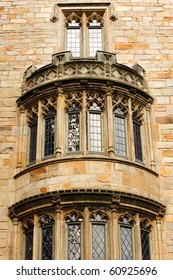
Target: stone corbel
column 55, row 12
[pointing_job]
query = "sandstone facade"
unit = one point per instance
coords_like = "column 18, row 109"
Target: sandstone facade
column 139, row 33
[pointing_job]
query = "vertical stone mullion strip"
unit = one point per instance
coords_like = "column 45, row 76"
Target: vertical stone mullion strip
column 84, row 46
column 20, row 147
column 39, row 133
column 115, row 253
column 137, row 238
column 131, row 149
column 110, row 127
column 57, row 237
column 83, row 132
column 86, row 236
column 15, row 238
column 150, row 141
column 36, row 239
column 59, row 124
column 159, row 237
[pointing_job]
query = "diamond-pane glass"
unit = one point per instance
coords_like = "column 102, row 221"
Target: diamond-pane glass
column 73, row 132
column 126, row 243
column 47, row 242
column 28, row 244
column 98, row 242
column 145, row 244
column 74, row 241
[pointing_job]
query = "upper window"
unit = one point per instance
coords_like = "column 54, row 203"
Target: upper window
column 49, row 134
column 78, row 40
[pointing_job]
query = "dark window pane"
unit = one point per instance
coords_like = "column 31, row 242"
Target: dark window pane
column 28, row 244
column 126, row 243
column 137, row 140
column 33, row 142
column 47, row 242
column 74, row 241
column 49, row 136
column 73, row 132
column 98, row 242
column 145, row 244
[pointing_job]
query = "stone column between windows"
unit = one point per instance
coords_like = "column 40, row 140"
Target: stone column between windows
column 15, row 238
column 83, row 134
column 84, row 47
column 36, row 242
column 111, row 151
column 115, row 253
column 57, row 238
column 159, row 237
column 86, row 236
column 59, row 124
column 39, row 134
column 150, row 142
column 137, row 238
column 131, row 149
column 21, row 149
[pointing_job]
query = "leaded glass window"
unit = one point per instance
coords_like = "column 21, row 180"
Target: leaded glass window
column 49, row 136
column 137, row 140
column 126, row 239
column 95, row 37
column 145, row 244
column 74, row 38
column 74, row 222
column 120, row 133
column 33, row 141
column 47, row 237
column 28, row 231
column 73, row 131
column 95, row 128
column 98, row 223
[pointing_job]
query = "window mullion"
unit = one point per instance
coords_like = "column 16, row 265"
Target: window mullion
column 84, row 39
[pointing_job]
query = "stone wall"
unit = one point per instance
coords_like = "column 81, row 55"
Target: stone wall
column 142, row 34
